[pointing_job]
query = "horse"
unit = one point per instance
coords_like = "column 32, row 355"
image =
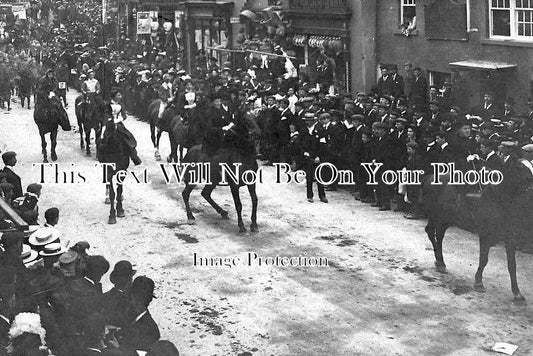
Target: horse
column 48, row 118
column 89, row 114
column 112, row 149
column 498, row 213
column 159, row 125
column 243, row 153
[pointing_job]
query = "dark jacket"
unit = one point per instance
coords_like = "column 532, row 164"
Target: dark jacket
column 13, row 179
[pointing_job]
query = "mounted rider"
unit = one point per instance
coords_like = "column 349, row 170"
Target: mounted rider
column 91, row 88
column 47, row 89
column 165, row 93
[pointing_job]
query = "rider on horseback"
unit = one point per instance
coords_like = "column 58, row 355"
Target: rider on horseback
column 165, row 93
column 219, row 127
column 47, row 88
column 91, row 88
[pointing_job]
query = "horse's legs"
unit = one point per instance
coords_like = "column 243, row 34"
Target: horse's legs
column 181, row 153
column 439, row 236
column 510, row 249
column 120, row 209
column 43, row 147
column 157, row 141
column 484, row 249
column 87, row 140
column 107, row 200
column 253, row 195
column 112, row 211
column 21, row 101
column 206, row 193
column 29, row 98
column 81, row 128
column 431, row 230
column 173, row 157
column 186, row 195
column 238, row 206
column 53, row 138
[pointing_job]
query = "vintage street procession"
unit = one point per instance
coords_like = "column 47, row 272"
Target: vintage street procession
column 266, row 177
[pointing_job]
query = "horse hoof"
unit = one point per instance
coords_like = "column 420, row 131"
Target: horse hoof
column 519, row 299
column 88, row 153
column 242, row 229
column 45, row 160
column 112, row 220
column 54, row 157
column 191, row 221
column 158, row 158
column 440, row 267
column 107, row 201
column 254, row 228
column 479, row 287
column 120, row 214
column 224, row 215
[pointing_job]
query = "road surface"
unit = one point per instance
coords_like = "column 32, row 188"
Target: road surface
column 379, row 295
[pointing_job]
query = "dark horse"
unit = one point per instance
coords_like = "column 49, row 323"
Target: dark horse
column 159, row 125
column 243, row 153
column 112, row 148
column 89, row 114
column 498, row 213
column 48, row 118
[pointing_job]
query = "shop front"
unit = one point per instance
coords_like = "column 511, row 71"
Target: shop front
column 208, row 32
column 319, row 32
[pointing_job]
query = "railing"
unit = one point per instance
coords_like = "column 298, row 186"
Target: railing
column 20, row 224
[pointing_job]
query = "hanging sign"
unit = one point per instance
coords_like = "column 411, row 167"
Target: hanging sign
column 144, row 23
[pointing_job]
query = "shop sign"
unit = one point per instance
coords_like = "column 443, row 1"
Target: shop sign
column 144, row 23
column 317, row 5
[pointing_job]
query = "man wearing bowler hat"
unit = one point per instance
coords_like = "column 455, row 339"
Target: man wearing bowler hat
column 115, row 302
column 310, row 155
column 142, row 331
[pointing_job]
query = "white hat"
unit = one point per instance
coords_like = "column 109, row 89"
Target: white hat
column 53, row 249
column 44, row 236
column 28, row 255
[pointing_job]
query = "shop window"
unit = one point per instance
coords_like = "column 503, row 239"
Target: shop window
column 439, row 78
column 511, row 19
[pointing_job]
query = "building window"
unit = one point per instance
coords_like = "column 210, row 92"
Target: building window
column 439, row 78
column 511, row 19
column 407, row 11
column 407, row 16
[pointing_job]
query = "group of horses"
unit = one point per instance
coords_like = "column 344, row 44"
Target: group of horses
column 499, row 211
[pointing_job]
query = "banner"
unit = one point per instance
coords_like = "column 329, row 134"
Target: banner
column 19, row 11
column 144, row 23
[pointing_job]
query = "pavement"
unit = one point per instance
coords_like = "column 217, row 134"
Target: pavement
column 379, row 295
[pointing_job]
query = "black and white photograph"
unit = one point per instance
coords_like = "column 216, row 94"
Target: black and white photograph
column 266, row 177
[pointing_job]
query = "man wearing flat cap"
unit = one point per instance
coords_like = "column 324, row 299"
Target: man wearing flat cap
column 309, row 148
column 10, row 160
column 385, row 153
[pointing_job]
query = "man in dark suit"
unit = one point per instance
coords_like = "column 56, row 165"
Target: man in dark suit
column 219, row 124
column 142, row 331
column 397, row 83
column 491, row 161
column 115, row 302
column 309, row 147
column 385, row 84
column 385, row 153
column 79, row 298
column 10, row 160
column 488, row 109
column 419, row 89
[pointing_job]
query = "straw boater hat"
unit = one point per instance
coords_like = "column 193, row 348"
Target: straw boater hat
column 44, row 236
column 28, row 255
column 53, row 249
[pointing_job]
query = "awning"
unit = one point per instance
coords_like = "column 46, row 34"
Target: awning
column 483, row 65
column 249, row 14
